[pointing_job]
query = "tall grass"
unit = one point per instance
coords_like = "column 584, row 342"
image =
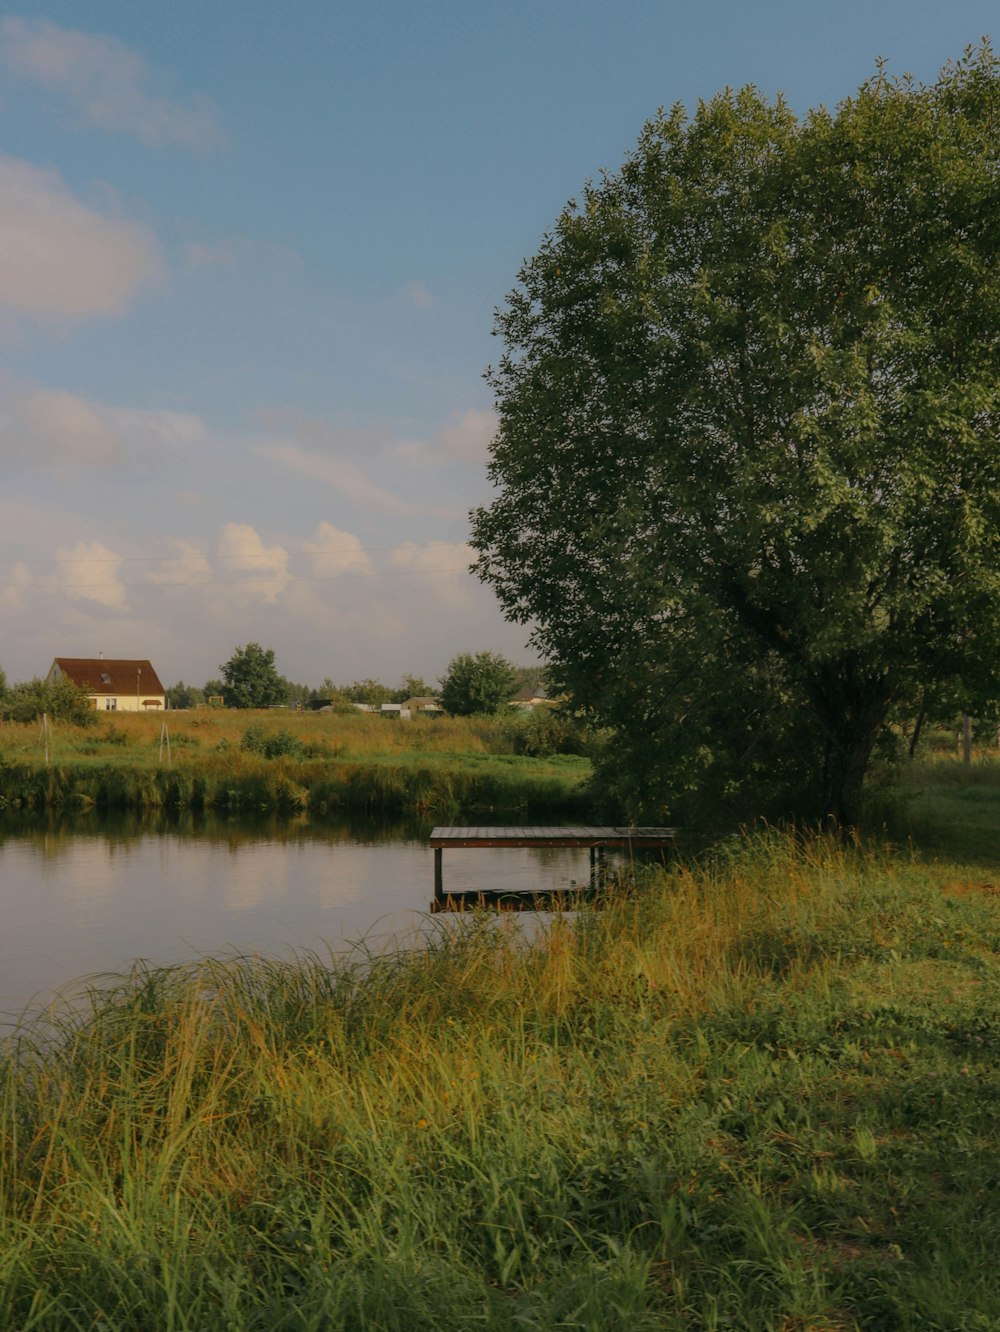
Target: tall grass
column 336, row 735
column 950, row 808
column 286, row 762
column 759, row 1093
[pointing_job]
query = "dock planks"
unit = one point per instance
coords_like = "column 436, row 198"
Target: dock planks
column 597, row 839
column 549, row 836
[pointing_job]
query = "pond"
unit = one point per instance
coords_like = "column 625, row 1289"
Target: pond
column 86, row 897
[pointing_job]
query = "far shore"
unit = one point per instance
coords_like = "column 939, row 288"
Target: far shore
column 288, row 762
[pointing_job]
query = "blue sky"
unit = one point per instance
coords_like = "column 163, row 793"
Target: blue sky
column 249, row 258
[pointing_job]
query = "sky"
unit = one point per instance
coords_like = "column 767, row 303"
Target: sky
column 250, row 255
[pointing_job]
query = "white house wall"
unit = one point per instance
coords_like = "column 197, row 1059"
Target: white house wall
column 128, row 703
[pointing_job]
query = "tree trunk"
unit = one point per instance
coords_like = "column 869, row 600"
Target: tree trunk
column 844, row 776
column 918, row 726
column 852, row 719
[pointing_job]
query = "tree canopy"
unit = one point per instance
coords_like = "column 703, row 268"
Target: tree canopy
column 251, row 680
column 747, row 460
column 476, row 684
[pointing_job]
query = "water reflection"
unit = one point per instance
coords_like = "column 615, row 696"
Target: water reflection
column 54, row 831
column 89, row 895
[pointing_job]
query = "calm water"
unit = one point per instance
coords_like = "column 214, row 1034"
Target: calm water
column 78, row 899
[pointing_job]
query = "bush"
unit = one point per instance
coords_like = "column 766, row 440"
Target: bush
column 62, row 701
column 541, row 732
column 271, row 744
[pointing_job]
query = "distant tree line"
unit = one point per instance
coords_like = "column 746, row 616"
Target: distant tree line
column 478, row 683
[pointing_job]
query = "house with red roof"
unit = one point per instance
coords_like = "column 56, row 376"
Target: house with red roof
column 114, row 684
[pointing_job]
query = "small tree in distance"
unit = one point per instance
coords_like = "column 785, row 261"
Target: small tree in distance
column 250, row 679
column 414, row 686
column 476, row 684
column 182, row 696
column 372, row 692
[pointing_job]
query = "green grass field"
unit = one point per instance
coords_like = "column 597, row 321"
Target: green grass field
column 758, row 1092
column 950, row 809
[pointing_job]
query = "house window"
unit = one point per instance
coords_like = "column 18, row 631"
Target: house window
column 111, row 705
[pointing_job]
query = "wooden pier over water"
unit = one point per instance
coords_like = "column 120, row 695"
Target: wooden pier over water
column 598, row 840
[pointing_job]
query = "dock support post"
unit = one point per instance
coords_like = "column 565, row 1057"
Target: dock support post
column 597, row 871
column 438, row 874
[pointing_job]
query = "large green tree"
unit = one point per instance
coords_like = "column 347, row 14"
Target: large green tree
column 747, row 459
column 251, row 680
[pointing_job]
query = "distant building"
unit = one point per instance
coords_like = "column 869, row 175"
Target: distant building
column 530, row 697
column 114, row 685
column 422, row 707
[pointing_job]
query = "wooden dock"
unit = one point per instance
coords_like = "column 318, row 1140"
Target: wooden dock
column 596, row 839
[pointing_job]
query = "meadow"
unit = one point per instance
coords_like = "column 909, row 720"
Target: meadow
column 287, row 762
column 759, row 1092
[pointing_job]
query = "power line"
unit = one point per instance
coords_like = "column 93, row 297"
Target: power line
column 233, row 582
column 180, row 559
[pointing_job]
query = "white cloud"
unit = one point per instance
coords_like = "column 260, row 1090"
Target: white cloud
column 88, row 571
column 464, row 438
column 105, row 82
column 437, row 557
column 217, row 254
column 158, row 429
column 339, row 474
column 250, row 568
column 335, row 552
column 14, row 587
column 61, row 260
column 415, row 452
column 442, row 565
column 322, row 437
column 467, row 435
column 186, row 569
column 51, row 426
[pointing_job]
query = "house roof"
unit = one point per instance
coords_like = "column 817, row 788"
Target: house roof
column 104, row 675
column 529, row 692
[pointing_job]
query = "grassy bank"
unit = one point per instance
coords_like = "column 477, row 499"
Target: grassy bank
column 759, row 1094
column 950, row 808
column 288, row 762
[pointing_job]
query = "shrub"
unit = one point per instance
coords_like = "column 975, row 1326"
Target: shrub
column 541, row 733
column 62, row 701
column 271, row 744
